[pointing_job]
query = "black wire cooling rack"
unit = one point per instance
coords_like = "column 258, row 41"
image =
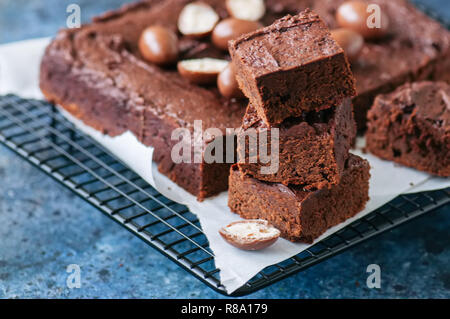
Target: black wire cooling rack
column 40, row 134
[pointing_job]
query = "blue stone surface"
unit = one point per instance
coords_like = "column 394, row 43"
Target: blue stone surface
column 44, row 227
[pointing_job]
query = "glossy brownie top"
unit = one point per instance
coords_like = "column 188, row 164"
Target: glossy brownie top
column 290, row 42
column 427, row 100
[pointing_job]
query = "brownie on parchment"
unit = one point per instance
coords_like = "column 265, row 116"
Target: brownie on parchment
column 411, row 126
column 301, row 215
column 97, row 74
column 291, row 67
column 313, row 148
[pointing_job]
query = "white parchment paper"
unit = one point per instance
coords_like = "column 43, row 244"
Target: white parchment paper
column 19, row 70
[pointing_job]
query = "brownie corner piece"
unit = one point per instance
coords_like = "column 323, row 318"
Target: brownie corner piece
column 301, row 215
column 292, row 66
column 312, row 149
column 411, row 126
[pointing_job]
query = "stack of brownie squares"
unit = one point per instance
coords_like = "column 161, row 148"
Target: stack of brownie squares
column 298, row 81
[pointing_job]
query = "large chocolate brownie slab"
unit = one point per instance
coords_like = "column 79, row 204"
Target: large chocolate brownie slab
column 97, row 74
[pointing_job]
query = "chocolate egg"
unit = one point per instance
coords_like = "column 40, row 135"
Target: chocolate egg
column 355, row 15
column 202, row 71
column 252, row 10
column 231, row 28
column 197, row 19
column 351, row 41
column 159, row 45
column 227, row 84
column 251, row 234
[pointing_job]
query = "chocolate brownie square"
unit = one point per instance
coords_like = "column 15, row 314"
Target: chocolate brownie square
column 301, row 215
column 411, row 126
column 290, row 67
column 312, row 148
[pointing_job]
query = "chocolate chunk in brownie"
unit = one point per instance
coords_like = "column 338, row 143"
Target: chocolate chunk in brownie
column 290, row 67
column 301, row 215
column 312, row 148
column 411, row 126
